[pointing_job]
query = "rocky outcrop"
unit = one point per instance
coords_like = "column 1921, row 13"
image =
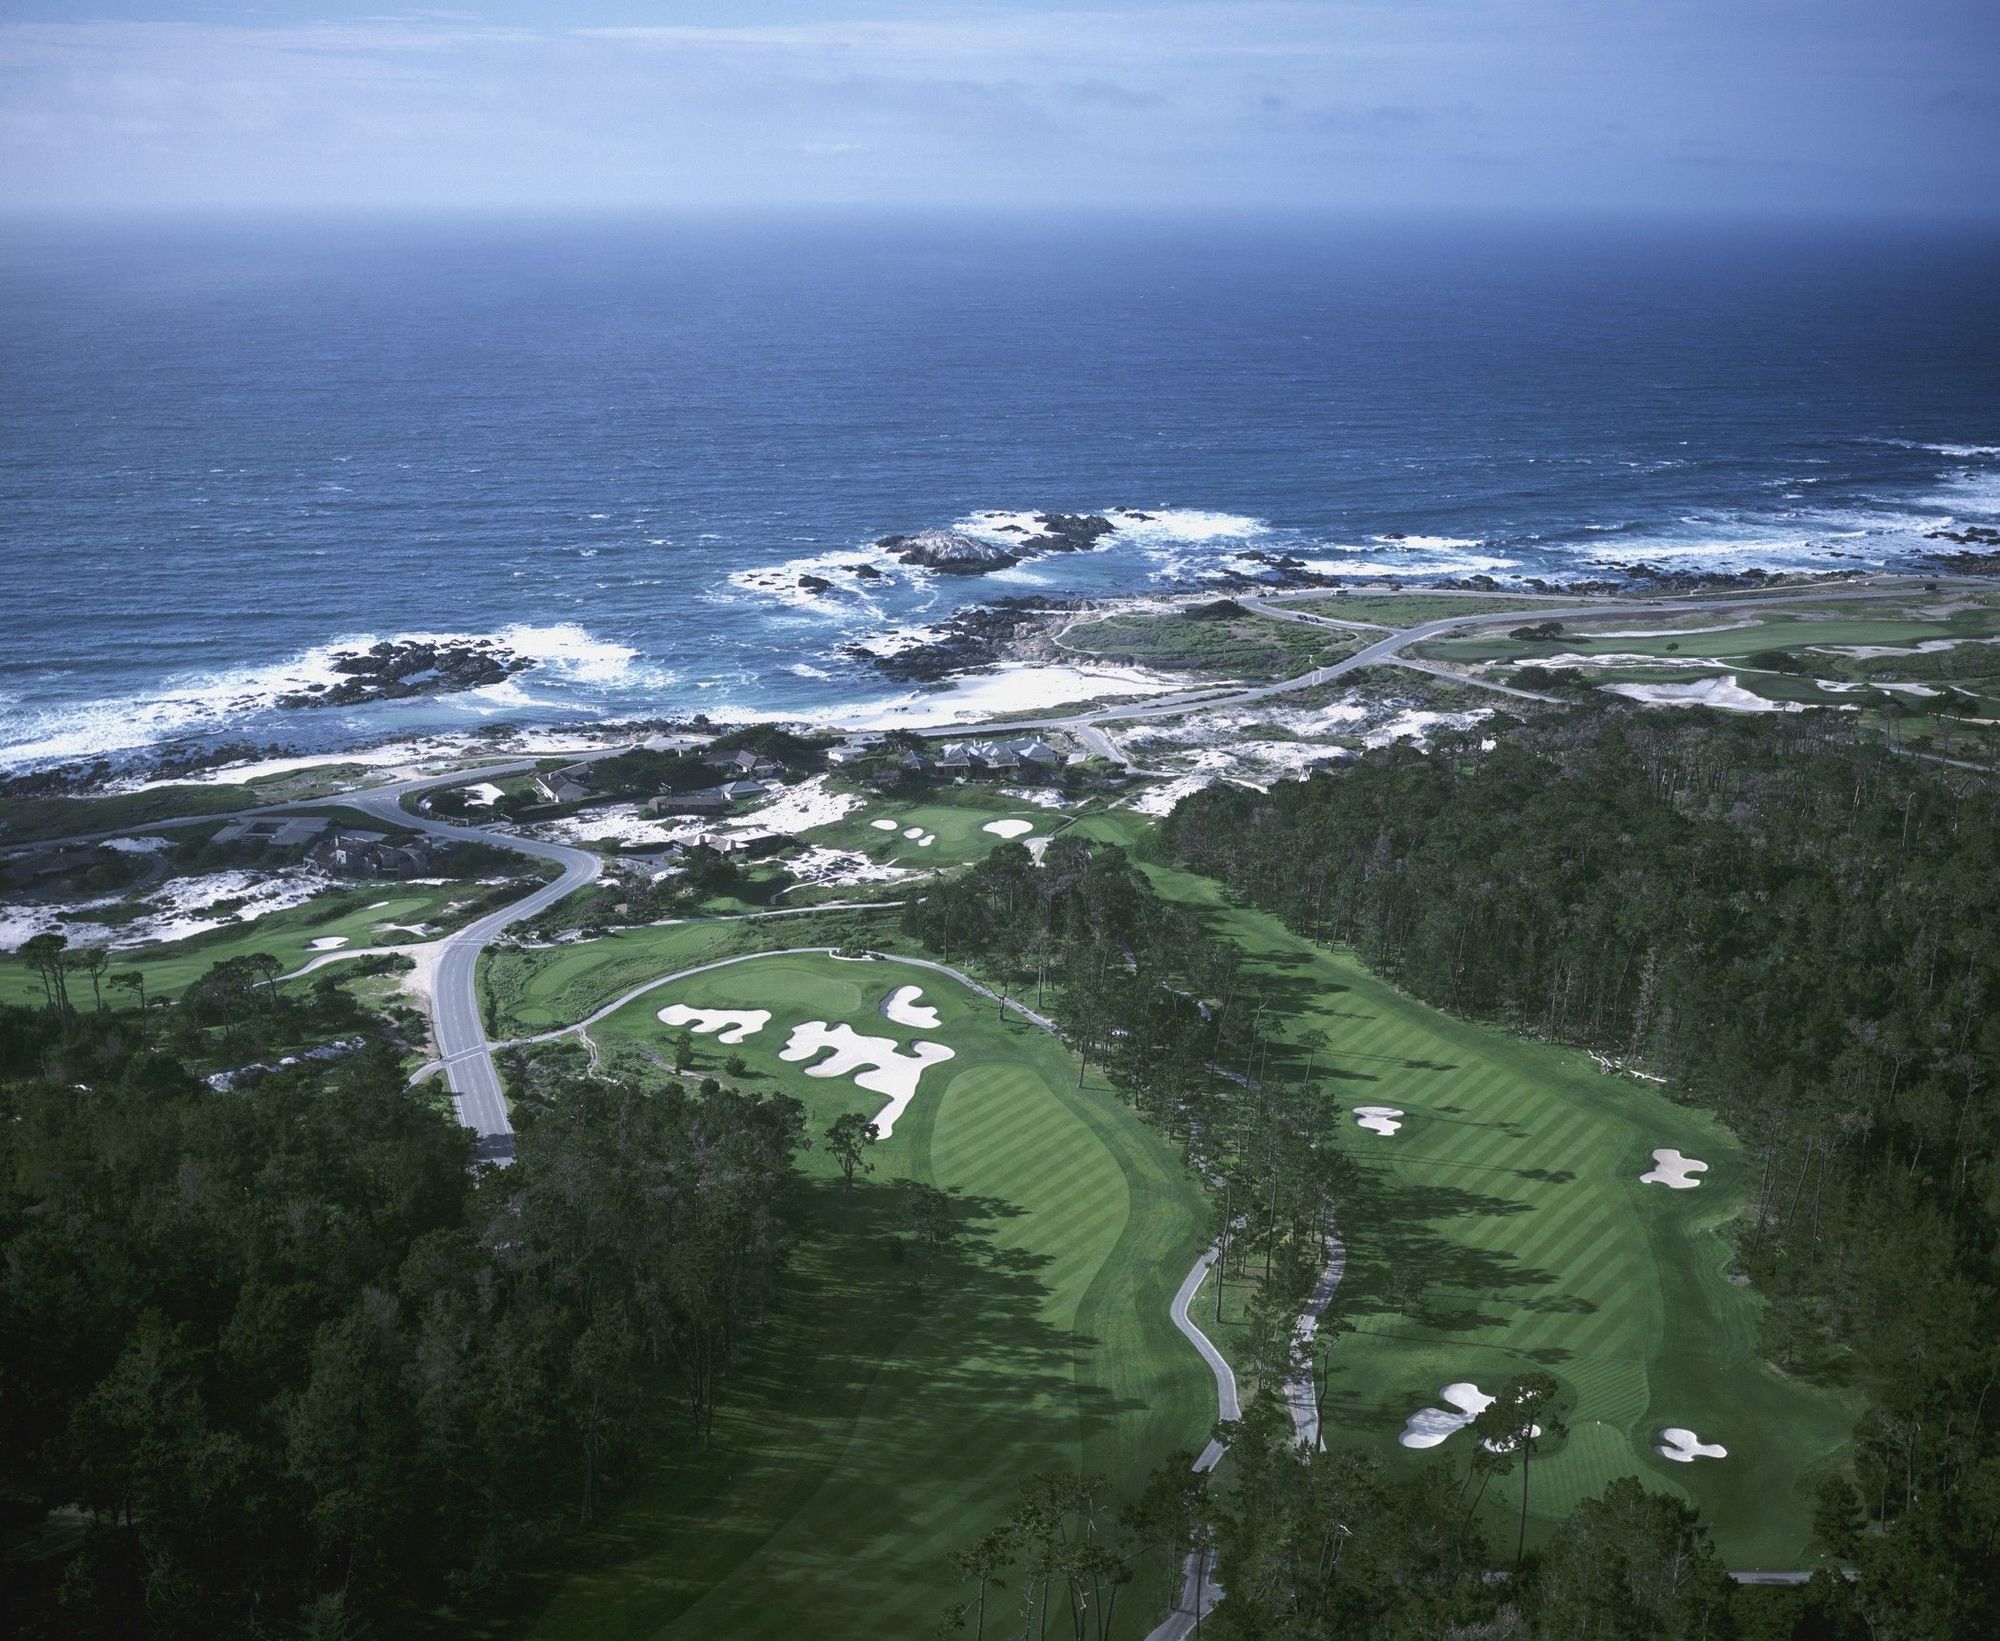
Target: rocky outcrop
column 975, row 637
column 1069, row 532
column 393, row 671
column 949, row 552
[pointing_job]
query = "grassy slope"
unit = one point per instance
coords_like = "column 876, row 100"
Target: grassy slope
column 956, row 822
column 1407, row 609
column 878, row 1428
column 1243, row 646
column 1772, row 631
column 29, row 818
column 539, row 989
column 1512, row 1193
column 286, row 935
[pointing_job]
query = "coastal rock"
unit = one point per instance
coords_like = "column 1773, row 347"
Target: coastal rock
column 949, row 552
column 393, row 671
column 815, row 584
column 1069, row 532
column 974, row 637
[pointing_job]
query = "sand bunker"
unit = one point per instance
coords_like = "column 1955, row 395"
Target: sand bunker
column 328, row 943
column 876, row 1063
column 1708, row 692
column 1383, row 1119
column 735, row 1025
column 1674, row 1171
column 1431, row 1425
column 913, row 832
column 883, row 825
column 927, row 840
column 902, row 1008
column 1684, row 1446
column 1009, row 828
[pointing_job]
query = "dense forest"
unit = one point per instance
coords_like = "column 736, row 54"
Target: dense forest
column 278, row 1361
column 1791, row 925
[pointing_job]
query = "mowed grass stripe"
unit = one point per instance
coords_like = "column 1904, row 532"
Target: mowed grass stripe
column 1667, row 1326
column 1045, row 1346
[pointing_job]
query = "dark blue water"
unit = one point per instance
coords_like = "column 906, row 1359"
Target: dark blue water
column 225, row 448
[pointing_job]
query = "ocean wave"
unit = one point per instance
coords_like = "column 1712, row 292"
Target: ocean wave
column 847, row 592
column 193, row 704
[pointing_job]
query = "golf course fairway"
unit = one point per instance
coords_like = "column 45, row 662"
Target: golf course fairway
column 894, row 1410
column 1503, row 1228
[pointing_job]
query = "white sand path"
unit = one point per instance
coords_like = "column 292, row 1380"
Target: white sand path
column 875, row 1063
column 1673, row 1170
column 731, row 1025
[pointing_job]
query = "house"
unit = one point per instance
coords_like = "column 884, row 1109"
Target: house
column 688, row 803
column 955, row 759
column 915, row 763
column 742, row 761
column 853, row 748
column 571, row 785
column 752, row 844
column 370, row 854
column 279, row 831
column 736, row 790
column 1032, row 751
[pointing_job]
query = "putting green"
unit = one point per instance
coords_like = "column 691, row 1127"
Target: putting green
column 959, row 829
column 1503, row 1228
column 890, row 1415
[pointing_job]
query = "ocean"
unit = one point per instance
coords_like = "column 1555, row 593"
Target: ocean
column 229, row 450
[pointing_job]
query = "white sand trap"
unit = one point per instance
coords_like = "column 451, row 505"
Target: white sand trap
column 328, row 943
column 1009, row 828
column 913, row 832
column 927, row 840
column 888, row 1070
column 883, row 825
column 1431, row 1425
column 903, row 1009
column 1674, row 1171
column 1684, row 1446
column 735, row 1025
column 1383, row 1119
column 1708, row 692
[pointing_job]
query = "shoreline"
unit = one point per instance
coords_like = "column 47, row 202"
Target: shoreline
column 986, row 663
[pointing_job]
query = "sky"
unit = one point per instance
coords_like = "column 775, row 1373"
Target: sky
column 1851, row 107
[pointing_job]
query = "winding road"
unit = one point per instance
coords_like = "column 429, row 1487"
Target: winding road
column 456, row 1022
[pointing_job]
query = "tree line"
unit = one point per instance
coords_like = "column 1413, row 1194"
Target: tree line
column 281, row 1361
column 1788, row 923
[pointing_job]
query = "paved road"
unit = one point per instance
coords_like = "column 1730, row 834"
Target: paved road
column 1387, row 649
column 456, row 1023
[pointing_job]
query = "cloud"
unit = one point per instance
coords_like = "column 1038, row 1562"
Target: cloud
column 1350, row 102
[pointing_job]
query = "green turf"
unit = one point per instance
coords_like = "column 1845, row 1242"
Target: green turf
column 1240, row 646
column 1770, row 631
column 532, row 989
column 882, row 1424
column 1511, row 1199
column 288, row 935
column 1408, row 609
column 957, row 821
